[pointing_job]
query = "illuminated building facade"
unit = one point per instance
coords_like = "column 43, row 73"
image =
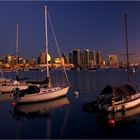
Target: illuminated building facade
column 113, row 60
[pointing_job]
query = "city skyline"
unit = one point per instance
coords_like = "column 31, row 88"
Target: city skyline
column 85, row 25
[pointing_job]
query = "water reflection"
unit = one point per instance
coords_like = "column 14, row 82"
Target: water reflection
column 39, row 109
column 111, row 119
column 46, row 110
column 6, row 97
column 121, row 118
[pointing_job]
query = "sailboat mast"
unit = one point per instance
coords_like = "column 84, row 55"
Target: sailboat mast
column 46, row 39
column 127, row 51
column 17, row 55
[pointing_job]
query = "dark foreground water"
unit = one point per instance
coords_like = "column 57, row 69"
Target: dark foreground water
column 65, row 117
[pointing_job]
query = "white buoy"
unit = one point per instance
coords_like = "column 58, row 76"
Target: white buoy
column 76, row 93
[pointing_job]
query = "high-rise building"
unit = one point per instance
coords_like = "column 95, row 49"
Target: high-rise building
column 92, row 58
column 70, row 58
column 9, row 59
column 113, row 60
column 86, row 58
column 42, row 58
column 81, row 59
column 98, row 58
column 65, row 57
column 76, row 57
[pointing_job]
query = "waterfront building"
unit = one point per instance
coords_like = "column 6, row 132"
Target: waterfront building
column 92, row 58
column 9, row 59
column 81, row 59
column 76, row 57
column 70, row 57
column 113, row 60
column 86, row 58
column 21, row 60
column 33, row 61
column 1, row 62
column 98, row 58
column 65, row 57
column 42, row 58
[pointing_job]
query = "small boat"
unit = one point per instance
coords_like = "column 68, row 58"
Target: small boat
column 118, row 98
column 42, row 92
column 8, row 85
column 123, row 97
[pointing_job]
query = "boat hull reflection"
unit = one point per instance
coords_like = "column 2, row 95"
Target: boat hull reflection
column 39, row 109
column 119, row 118
column 6, row 97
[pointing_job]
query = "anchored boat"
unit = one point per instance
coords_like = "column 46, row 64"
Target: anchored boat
column 42, row 92
column 123, row 97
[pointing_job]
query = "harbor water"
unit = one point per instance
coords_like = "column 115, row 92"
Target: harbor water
column 65, row 118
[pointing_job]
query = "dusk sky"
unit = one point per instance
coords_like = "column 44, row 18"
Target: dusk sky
column 93, row 25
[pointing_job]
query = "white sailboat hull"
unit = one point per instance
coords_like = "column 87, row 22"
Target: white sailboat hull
column 44, row 94
column 133, row 102
column 9, row 87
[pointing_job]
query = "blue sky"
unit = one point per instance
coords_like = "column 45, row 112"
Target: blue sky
column 96, row 25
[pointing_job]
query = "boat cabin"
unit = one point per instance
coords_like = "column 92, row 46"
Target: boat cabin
column 117, row 93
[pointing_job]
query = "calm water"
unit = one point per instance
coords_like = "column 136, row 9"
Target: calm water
column 65, row 118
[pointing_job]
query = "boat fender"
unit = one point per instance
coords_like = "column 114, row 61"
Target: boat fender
column 13, row 104
column 111, row 122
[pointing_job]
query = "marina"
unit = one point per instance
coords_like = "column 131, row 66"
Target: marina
column 69, row 70
column 67, row 119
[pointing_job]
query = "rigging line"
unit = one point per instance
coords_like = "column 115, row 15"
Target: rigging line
column 2, row 74
column 58, row 48
column 65, row 122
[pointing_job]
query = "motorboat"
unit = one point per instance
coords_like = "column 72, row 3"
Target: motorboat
column 123, row 97
column 118, row 98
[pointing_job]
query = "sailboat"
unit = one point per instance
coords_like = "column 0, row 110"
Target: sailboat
column 119, row 98
column 36, row 94
column 9, row 85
